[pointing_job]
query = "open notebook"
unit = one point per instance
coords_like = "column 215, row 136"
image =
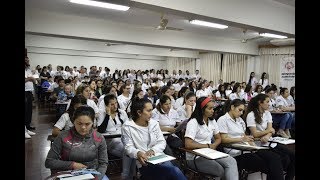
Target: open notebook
column 245, row 145
column 159, row 158
column 79, row 177
column 282, row 140
column 210, row 153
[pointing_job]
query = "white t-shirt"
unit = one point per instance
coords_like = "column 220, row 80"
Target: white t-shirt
column 123, row 101
column 28, row 86
column 201, row 93
column 290, row 100
column 112, row 127
column 167, row 120
column 64, row 122
column 234, row 129
column 265, row 83
column 280, row 101
column 266, row 118
column 92, row 104
column 183, row 113
column 202, row 134
column 178, row 103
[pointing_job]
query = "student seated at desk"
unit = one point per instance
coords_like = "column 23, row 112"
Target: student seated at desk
column 110, row 121
column 201, row 129
column 283, row 103
column 189, row 105
column 168, row 118
column 64, row 122
column 284, row 119
column 232, row 130
column 142, row 138
column 259, row 121
column 79, row 147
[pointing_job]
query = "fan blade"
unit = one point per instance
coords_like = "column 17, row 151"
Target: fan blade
column 173, row 28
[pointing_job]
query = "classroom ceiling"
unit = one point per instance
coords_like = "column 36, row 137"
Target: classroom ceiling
column 149, row 19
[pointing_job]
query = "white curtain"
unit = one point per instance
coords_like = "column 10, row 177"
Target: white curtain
column 270, row 61
column 234, row 67
column 183, row 64
column 210, row 66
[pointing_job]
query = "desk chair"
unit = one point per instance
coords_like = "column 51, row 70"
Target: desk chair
column 115, row 165
column 181, row 157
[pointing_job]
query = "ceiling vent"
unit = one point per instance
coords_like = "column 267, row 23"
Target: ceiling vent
column 283, row 42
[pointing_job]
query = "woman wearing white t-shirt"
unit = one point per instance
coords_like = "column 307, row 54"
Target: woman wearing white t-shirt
column 201, row 91
column 168, row 119
column 85, row 91
column 259, row 121
column 236, row 92
column 264, row 80
column 64, row 122
column 179, row 102
column 232, row 129
column 202, row 132
column 286, row 105
column 142, row 138
column 252, row 80
column 188, row 107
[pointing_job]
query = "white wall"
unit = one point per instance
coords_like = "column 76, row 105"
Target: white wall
column 45, row 56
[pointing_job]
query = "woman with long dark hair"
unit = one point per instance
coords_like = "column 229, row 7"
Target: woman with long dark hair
column 202, row 132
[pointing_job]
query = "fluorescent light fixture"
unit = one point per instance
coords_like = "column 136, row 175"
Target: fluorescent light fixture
column 272, row 35
column 208, row 24
column 101, row 4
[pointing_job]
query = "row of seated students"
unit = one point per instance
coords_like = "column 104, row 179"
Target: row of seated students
column 168, row 118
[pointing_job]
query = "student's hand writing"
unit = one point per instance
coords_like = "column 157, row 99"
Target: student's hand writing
column 76, row 166
column 142, row 158
column 172, row 130
column 150, row 153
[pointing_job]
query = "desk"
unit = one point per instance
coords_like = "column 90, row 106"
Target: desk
column 244, row 147
column 66, row 173
column 109, row 135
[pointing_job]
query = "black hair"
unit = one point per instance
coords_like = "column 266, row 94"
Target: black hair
column 182, row 91
column 187, row 96
column 163, row 99
column 138, row 105
column 236, row 102
column 282, row 90
column 103, row 126
column 263, row 76
column 198, row 111
column 83, row 111
column 75, row 100
column 254, row 106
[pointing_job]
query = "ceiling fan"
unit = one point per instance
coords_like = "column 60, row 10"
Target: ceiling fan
column 245, row 40
column 163, row 25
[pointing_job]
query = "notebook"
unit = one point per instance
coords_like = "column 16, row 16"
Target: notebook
column 80, row 177
column 247, row 146
column 282, row 140
column 210, row 153
column 159, row 158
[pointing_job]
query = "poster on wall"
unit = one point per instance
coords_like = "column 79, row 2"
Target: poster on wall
column 287, row 72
